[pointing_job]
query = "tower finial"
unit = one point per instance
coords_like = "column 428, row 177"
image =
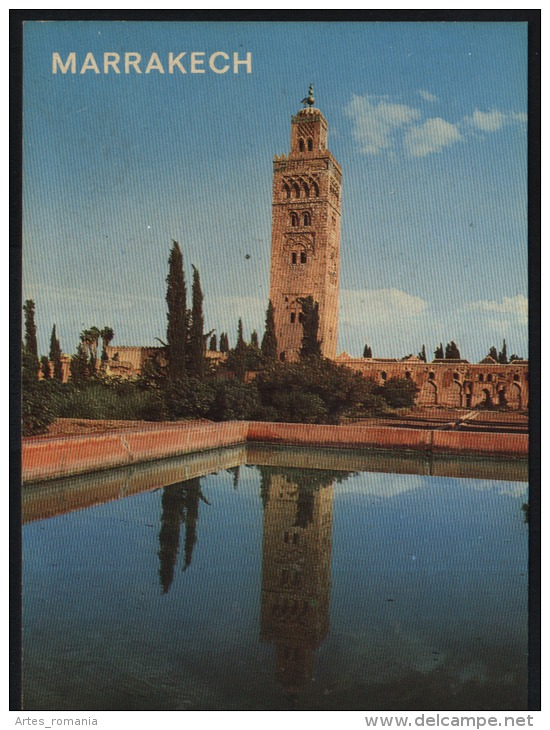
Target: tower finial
column 309, row 99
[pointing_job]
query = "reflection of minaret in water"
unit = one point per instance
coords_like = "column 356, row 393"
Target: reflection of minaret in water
column 180, row 503
column 297, row 542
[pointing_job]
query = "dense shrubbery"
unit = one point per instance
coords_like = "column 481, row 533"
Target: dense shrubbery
column 310, row 391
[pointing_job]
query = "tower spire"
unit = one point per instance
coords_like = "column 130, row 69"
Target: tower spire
column 309, row 99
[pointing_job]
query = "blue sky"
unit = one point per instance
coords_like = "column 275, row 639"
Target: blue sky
column 428, row 121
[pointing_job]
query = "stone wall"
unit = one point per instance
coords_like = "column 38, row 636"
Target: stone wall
column 453, row 383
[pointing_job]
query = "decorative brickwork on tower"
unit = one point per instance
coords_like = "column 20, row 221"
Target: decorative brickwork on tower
column 305, row 240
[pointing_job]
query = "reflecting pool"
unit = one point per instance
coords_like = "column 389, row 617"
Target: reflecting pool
column 259, row 578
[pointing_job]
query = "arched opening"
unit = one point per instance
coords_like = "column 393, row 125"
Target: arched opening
column 292, row 317
column 456, row 376
column 489, row 378
column 315, row 189
column 301, row 146
column 303, row 257
column 296, row 191
column 384, row 375
column 431, row 376
column 454, row 395
column 307, row 219
column 294, row 219
column 481, row 378
column 488, row 400
column 428, row 394
column 294, row 257
column 309, row 144
column 306, row 190
column 286, row 191
column 515, row 396
column 502, row 400
column 516, row 378
column 408, row 374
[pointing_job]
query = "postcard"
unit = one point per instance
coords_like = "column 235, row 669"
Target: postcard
column 275, row 367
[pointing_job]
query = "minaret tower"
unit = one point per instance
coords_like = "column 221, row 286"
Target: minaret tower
column 305, row 239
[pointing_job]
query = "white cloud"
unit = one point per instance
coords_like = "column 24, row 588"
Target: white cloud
column 432, row 136
column 427, row 96
column 517, row 307
column 494, row 120
column 376, row 121
column 364, row 306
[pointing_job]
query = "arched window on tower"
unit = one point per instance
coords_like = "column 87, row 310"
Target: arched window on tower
column 303, row 257
column 286, row 191
column 296, row 190
column 315, row 189
column 294, row 219
column 306, row 189
column 310, row 144
column 294, row 257
column 307, row 219
column 301, row 145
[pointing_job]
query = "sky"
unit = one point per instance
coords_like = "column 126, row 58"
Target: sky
column 428, row 121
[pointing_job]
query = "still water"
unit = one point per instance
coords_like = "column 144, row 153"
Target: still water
column 252, row 579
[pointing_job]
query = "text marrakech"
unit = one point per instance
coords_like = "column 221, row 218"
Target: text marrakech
column 195, row 62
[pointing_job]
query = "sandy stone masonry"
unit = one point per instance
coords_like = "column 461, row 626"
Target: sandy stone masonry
column 305, row 239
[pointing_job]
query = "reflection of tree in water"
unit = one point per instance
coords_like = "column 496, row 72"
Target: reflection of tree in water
column 180, row 503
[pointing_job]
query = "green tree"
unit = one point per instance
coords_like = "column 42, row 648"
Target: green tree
column 55, row 356
column 313, row 390
column 311, row 345
column 399, row 392
column 195, row 362
column 451, row 351
column 213, row 346
column 493, row 353
column 224, row 342
column 107, row 336
column 502, row 355
column 513, row 357
column 439, row 354
column 30, row 360
column 45, row 367
column 80, row 367
column 178, row 317
column 254, row 340
column 269, row 340
column 367, row 351
column 240, row 338
column 422, row 354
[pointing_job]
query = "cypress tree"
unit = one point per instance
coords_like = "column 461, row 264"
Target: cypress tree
column 195, row 363
column 503, row 356
column 45, row 367
column 80, row 367
column 213, row 347
column 493, row 353
column 240, row 338
column 451, row 351
column 439, row 354
column 311, row 346
column 422, row 354
column 30, row 359
column 224, row 342
column 269, row 340
column 55, row 356
column 254, row 339
column 177, row 327
column 367, row 352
